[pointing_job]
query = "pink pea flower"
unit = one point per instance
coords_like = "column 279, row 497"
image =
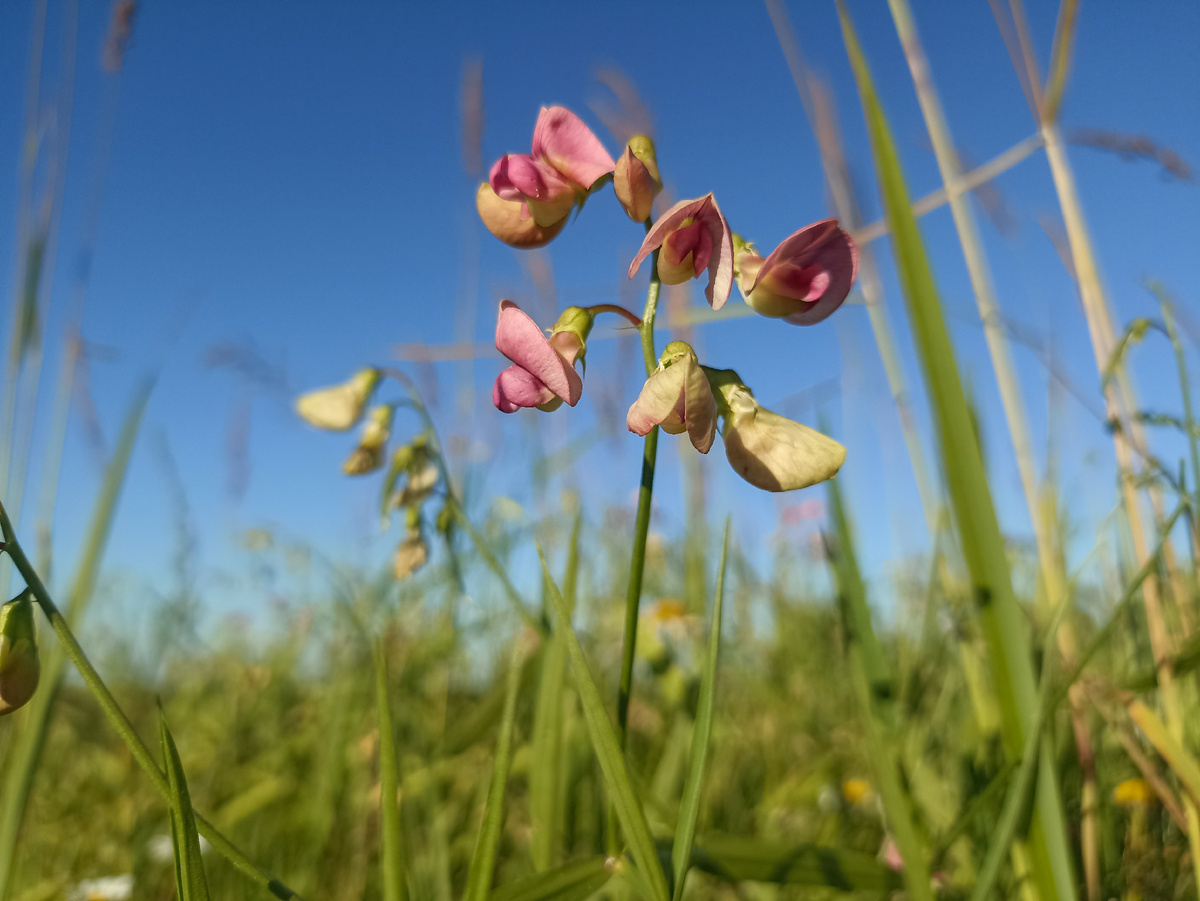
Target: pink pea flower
column 565, row 162
column 543, row 372
column 694, row 236
column 804, row 279
column 503, row 219
column 678, row 398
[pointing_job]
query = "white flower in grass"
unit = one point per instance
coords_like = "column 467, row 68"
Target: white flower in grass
column 106, row 888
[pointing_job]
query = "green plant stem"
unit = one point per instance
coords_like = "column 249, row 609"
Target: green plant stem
column 637, row 566
column 120, row 721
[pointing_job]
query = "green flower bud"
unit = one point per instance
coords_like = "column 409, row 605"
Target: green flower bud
column 19, row 666
column 339, row 407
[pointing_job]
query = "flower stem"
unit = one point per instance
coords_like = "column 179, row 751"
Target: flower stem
column 641, row 528
column 615, row 308
column 120, row 721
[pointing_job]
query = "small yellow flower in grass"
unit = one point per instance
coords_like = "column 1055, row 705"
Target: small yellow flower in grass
column 339, row 407
column 19, row 665
column 1132, row 792
column 857, row 791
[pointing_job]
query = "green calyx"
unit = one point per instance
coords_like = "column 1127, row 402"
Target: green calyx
column 19, row 665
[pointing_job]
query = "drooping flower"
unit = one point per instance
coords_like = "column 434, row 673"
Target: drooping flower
column 503, row 219
column 368, row 455
column 543, row 372
column 694, row 236
column 565, row 162
column 20, row 669
column 411, row 554
column 768, row 450
column 678, row 398
column 636, row 181
column 804, row 279
column 338, row 408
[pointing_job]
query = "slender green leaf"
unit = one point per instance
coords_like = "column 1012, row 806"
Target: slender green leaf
column 545, row 775
column 740, row 859
column 190, row 881
column 479, row 877
column 1133, row 334
column 982, row 543
column 875, row 689
column 689, row 806
column 608, row 753
column 1175, row 754
column 23, row 758
column 391, row 831
column 569, row 882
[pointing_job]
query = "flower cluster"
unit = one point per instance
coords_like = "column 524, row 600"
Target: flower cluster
column 527, row 202
column 414, row 472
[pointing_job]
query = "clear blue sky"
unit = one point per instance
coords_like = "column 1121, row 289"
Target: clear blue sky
column 289, row 176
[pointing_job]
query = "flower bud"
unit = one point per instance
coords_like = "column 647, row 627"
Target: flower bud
column 768, row 450
column 636, row 179
column 368, row 456
column 339, row 407
column 410, row 555
column 19, row 666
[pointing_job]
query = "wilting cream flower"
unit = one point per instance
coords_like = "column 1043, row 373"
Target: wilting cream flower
column 338, row 407
column 410, row 555
column 678, row 398
column 765, row 449
column 368, row 456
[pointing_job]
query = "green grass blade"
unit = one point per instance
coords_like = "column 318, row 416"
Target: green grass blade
column 1060, row 58
column 1016, row 802
column 982, row 543
column 391, row 831
column 22, row 761
column 570, row 882
column 608, row 753
column 546, row 772
column 875, row 689
column 1174, row 753
column 689, row 806
column 190, row 881
column 738, row 859
column 479, row 877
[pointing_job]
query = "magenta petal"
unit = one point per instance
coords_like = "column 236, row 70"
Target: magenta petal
column 500, row 181
column 667, row 223
column 792, row 268
column 516, row 388
column 519, row 338
column 561, row 138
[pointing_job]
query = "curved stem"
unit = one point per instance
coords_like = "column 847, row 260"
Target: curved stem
column 615, row 308
column 118, row 718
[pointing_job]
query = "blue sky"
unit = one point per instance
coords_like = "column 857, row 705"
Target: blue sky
column 290, row 179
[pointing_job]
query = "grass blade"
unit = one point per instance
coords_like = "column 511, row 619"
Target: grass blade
column 392, row 835
column 874, row 687
column 547, row 727
column 190, row 881
column 479, row 877
column 608, row 753
column 982, row 544
column 23, row 758
column 689, row 806
column 572, row 881
column 739, row 859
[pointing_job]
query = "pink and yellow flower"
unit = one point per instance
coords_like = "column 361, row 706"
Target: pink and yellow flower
column 804, row 279
column 543, row 372
column 529, row 196
column 694, row 237
column 678, row 398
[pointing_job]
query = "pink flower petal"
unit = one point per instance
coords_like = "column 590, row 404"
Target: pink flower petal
column 815, row 267
column 700, row 407
column 569, row 146
column 519, row 338
column 516, row 388
column 719, row 264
